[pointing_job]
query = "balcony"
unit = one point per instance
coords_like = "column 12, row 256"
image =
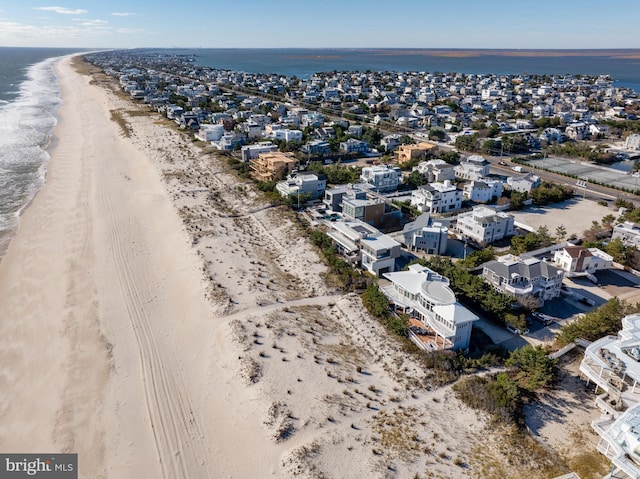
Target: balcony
column 518, row 290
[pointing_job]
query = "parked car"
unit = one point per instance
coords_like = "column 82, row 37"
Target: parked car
column 513, row 330
column 543, row 318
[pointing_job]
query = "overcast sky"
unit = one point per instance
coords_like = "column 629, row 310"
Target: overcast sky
column 328, row 23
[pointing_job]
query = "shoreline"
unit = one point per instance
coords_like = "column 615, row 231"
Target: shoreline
column 179, row 327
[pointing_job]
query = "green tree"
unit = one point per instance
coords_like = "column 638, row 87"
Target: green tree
column 476, row 258
column 467, row 142
column 561, row 232
column 376, row 302
column 437, row 135
column 534, row 369
column 607, row 319
column 517, row 199
column 415, row 179
column 619, row 251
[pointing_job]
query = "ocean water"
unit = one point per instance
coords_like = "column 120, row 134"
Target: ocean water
column 29, row 96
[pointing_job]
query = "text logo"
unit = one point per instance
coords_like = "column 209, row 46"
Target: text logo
column 39, row 466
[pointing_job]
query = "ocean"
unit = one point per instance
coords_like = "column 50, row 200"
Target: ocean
column 29, row 93
column 29, row 96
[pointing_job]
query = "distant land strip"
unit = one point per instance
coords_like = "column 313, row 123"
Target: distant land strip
column 462, row 53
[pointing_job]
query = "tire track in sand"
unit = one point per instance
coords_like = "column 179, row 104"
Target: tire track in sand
column 177, row 436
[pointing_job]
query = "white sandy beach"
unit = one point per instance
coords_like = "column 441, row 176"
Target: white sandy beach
column 161, row 322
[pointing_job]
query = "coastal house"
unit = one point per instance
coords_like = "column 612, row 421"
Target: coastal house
column 612, row 363
column 485, row 225
column 353, row 146
column 316, row 147
column 524, row 183
column 482, row 191
column 437, row 197
column 361, row 243
column 530, row 277
column 210, row 132
column 390, row 142
column 425, row 295
column 308, row 185
column 284, row 134
column 381, row 178
column 632, row 142
column 228, row 142
column 426, row 234
column 271, row 166
column 250, row 152
column 628, row 232
column 474, row 167
column 356, row 205
column 407, row 153
column 581, row 261
column 436, row 171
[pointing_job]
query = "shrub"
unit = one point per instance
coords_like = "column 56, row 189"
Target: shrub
column 499, row 396
column 534, row 368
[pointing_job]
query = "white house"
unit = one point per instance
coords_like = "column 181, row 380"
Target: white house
column 426, row 234
column 285, row 134
column 628, row 232
column 426, row 295
column 250, row 152
column 210, row 132
column 613, row 364
column 472, row 168
column 581, row 261
column 437, row 197
column 485, row 225
column 436, row 170
column 361, row 242
column 632, row 142
column 302, row 184
column 524, row 183
column 381, row 178
column 482, row 191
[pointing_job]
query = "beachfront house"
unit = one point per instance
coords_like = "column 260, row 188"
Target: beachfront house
column 250, row 152
column 612, row 363
column 361, row 243
column 425, row 295
column 271, row 166
column 308, row 186
column 356, row 205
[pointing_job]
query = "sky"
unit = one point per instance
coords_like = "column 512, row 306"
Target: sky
column 544, row 24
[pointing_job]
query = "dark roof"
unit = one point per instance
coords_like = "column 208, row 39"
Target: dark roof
column 527, row 269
